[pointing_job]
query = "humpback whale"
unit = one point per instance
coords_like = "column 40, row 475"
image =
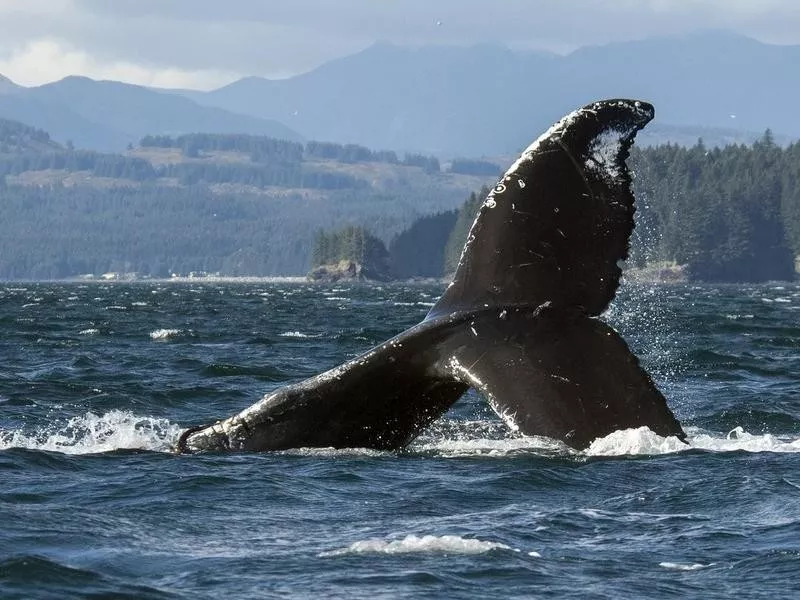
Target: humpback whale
column 519, row 322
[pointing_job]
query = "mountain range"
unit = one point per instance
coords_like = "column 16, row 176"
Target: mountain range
column 449, row 101
column 108, row 115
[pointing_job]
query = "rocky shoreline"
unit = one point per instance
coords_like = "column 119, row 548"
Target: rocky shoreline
column 345, row 270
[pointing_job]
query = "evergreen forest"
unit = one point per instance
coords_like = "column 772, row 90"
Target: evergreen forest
column 252, row 205
column 727, row 214
column 351, row 244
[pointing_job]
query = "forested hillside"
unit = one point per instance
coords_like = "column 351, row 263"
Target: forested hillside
column 18, row 138
column 234, row 204
column 730, row 214
column 251, row 205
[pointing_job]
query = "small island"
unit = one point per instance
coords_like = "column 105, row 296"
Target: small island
column 350, row 254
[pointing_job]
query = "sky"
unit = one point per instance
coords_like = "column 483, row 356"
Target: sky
column 204, row 44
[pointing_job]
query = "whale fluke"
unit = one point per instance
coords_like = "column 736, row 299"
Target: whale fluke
column 518, row 323
column 556, row 225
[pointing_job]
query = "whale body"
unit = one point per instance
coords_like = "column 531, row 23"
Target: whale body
column 519, row 322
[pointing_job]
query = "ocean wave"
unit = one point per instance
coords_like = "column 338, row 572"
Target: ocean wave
column 491, row 448
column 642, row 441
column 442, row 544
column 477, row 439
column 684, row 566
column 164, row 334
column 297, row 334
column 94, row 434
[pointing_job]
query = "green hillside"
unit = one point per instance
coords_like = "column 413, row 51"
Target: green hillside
column 233, row 204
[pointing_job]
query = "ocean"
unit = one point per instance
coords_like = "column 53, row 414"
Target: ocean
column 98, row 379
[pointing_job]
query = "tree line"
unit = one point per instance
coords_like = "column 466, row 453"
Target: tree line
column 98, row 164
column 267, row 149
column 351, row 244
column 16, row 137
column 726, row 214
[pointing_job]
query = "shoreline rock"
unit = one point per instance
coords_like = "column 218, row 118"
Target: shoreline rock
column 345, row 270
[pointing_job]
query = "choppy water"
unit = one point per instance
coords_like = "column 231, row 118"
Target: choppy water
column 97, row 380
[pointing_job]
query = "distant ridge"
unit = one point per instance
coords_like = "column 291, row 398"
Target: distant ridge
column 6, row 85
column 490, row 100
column 108, row 115
column 450, row 102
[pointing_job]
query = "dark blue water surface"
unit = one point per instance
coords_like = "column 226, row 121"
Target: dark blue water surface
column 98, row 379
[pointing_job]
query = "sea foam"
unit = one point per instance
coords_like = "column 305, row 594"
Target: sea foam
column 94, row 434
column 443, row 544
column 642, row 441
column 164, row 334
column 469, row 440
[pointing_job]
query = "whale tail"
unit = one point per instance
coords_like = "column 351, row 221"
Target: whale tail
column 518, row 322
column 540, row 262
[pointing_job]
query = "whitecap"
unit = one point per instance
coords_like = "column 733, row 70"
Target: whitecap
column 642, row 441
column 295, row 334
column 634, row 442
column 94, row 434
column 684, row 566
column 442, row 544
column 163, row 334
column 90, row 331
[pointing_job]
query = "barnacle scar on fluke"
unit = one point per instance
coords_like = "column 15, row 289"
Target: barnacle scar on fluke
column 519, row 322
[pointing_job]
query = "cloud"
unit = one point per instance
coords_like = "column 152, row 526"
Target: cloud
column 49, row 60
column 201, row 43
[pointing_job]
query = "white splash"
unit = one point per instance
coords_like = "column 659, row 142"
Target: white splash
column 489, row 439
column 91, row 331
column 642, row 441
column 94, row 434
column 634, row 442
column 164, row 334
column 444, row 544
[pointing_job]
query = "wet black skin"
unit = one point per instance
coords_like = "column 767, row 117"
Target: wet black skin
column 519, row 322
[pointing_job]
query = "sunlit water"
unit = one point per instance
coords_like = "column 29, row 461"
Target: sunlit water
column 97, row 381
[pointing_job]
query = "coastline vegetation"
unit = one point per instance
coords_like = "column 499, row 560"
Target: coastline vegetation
column 252, row 205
